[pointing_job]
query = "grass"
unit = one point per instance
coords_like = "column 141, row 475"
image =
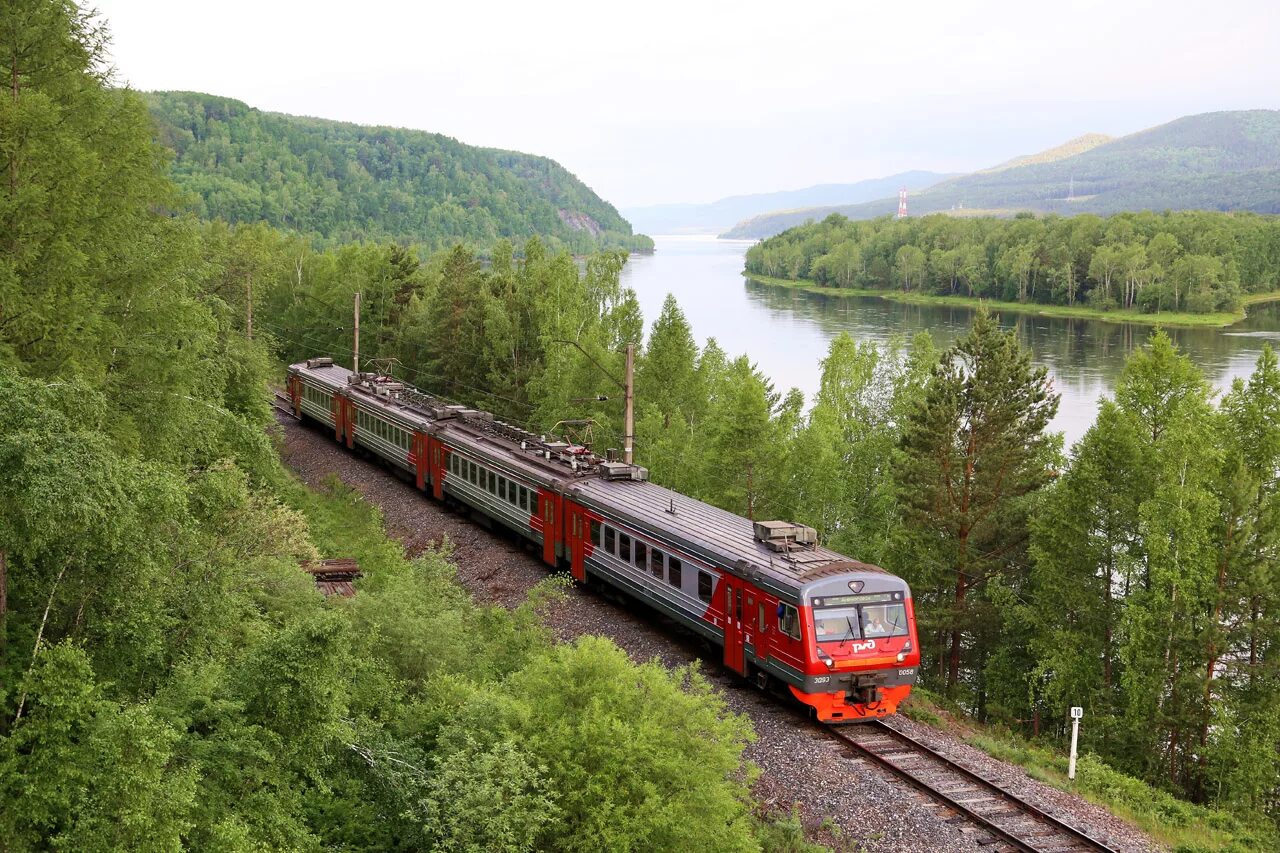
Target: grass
column 1117, row 315
column 1184, row 827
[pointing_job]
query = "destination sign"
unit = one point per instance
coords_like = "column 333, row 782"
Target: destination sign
column 865, row 598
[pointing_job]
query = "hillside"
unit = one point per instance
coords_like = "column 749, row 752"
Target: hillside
column 718, row 216
column 1211, row 161
column 344, row 182
column 1070, row 148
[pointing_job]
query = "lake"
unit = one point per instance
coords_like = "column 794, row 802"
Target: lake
column 785, row 331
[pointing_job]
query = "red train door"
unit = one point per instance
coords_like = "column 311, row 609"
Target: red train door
column 339, row 409
column 760, row 613
column 731, row 600
column 436, row 457
column 295, row 395
column 550, row 515
column 577, row 527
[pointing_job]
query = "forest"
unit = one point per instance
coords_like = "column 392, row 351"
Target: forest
column 170, row 678
column 340, row 182
column 1191, row 261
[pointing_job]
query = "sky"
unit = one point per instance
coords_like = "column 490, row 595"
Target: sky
column 660, row 102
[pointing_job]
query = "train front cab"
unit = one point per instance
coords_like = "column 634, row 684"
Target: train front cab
column 862, row 650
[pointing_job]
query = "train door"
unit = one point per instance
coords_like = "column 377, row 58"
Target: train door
column 437, row 456
column 731, row 599
column 759, row 610
column 577, row 532
column 419, row 457
column 344, row 419
column 295, row 395
column 549, row 514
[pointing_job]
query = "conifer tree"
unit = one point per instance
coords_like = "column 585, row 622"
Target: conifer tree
column 973, row 449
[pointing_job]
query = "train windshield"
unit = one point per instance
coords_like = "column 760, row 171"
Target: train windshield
column 884, row 620
column 868, row 621
column 836, row 623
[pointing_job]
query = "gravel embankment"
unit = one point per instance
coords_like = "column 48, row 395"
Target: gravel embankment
column 843, row 800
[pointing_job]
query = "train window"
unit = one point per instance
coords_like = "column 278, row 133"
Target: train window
column 624, row 547
column 493, row 482
column 704, row 586
column 789, row 621
column 642, row 554
column 473, row 473
column 502, row 488
column 610, row 539
column 760, row 619
column 596, row 532
column 738, row 606
column 524, row 499
column 655, row 562
column 673, row 572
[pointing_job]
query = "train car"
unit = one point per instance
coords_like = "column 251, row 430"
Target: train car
column 838, row 633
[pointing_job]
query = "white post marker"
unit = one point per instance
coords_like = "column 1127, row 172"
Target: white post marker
column 1076, row 713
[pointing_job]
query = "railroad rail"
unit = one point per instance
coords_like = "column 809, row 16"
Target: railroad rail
column 281, row 402
column 1012, row 822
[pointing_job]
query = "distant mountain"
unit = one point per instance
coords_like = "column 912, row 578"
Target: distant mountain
column 1070, row 148
column 344, row 182
column 720, row 215
column 1211, row 161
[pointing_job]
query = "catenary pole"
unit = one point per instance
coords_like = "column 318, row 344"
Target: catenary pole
column 629, row 416
column 355, row 349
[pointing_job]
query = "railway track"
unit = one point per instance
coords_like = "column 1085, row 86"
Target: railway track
column 1011, row 822
column 280, row 400
column 1006, row 821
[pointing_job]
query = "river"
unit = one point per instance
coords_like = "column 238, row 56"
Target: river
column 785, row 331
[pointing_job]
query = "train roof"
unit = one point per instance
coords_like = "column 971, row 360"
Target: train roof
column 715, row 535
column 724, row 536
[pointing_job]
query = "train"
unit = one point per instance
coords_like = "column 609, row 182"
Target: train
column 787, row 613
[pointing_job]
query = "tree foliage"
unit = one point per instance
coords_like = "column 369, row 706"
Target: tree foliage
column 345, row 182
column 1191, row 261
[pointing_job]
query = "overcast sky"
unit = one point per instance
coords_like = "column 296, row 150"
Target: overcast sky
column 653, row 102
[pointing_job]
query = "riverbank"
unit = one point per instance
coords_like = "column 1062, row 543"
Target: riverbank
column 1084, row 312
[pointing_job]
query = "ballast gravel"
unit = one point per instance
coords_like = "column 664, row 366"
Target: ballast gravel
column 843, row 801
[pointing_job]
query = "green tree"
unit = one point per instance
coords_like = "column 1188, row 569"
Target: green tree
column 973, row 450
column 909, row 263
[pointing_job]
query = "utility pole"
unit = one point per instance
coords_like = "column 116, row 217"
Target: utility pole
column 356, row 346
column 248, row 319
column 629, row 416
column 627, row 384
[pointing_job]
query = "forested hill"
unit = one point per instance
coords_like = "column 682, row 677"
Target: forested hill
column 1211, row 161
column 345, row 182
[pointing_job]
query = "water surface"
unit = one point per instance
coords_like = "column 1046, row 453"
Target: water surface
column 785, row 331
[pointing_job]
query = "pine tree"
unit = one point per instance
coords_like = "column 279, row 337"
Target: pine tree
column 457, row 346
column 666, row 377
column 973, row 449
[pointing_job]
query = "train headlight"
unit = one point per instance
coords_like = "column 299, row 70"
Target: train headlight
column 826, row 659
